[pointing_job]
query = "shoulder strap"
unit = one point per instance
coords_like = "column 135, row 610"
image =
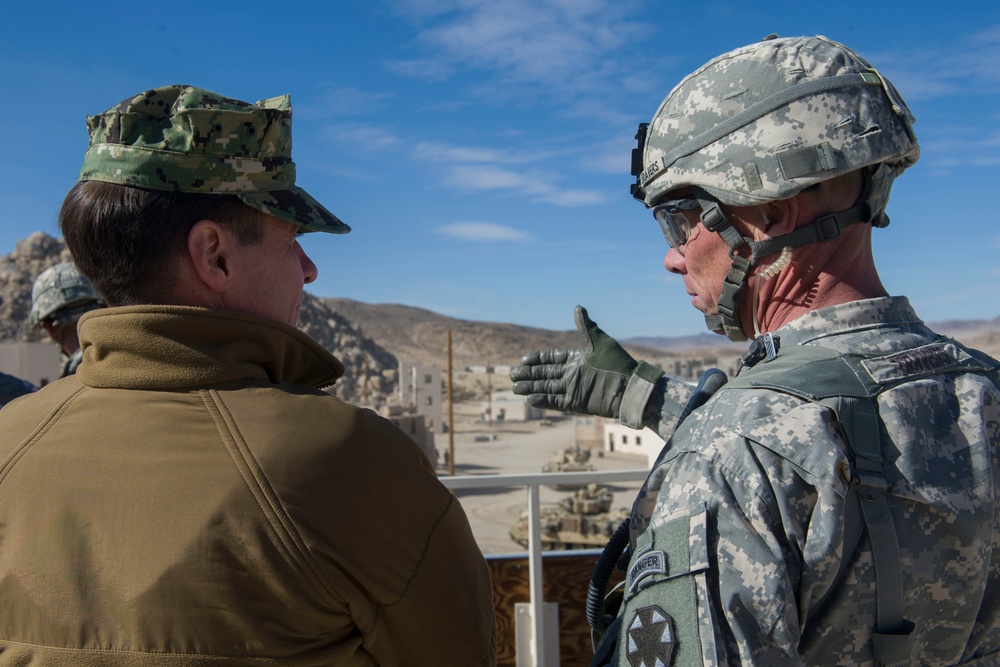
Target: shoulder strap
column 840, row 383
column 849, row 385
column 892, row 637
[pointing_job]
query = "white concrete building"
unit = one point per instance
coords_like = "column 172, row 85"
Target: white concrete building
column 620, row 438
column 420, row 387
column 38, row 363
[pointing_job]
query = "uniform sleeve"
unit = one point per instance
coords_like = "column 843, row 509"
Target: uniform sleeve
column 445, row 615
column 402, row 554
column 712, row 581
column 666, row 405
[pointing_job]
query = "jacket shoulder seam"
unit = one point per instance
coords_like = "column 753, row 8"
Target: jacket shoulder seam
column 261, row 489
column 38, row 432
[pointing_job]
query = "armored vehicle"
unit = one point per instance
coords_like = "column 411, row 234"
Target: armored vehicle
column 583, row 520
column 569, row 459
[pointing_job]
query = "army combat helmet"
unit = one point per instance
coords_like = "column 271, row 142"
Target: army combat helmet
column 764, row 122
column 62, row 294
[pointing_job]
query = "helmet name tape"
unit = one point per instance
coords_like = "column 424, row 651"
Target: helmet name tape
column 807, row 161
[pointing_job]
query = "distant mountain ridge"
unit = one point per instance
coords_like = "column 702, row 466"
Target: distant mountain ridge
column 683, row 344
column 371, row 339
column 419, row 334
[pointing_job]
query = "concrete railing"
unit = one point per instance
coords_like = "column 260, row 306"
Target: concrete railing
column 532, row 481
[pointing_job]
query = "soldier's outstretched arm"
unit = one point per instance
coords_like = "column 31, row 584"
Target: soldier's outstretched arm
column 602, row 379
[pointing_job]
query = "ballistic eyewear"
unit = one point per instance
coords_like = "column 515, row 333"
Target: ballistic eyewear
column 675, row 225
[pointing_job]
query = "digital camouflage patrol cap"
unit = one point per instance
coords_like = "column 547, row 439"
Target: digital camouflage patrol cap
column 765, row 121
column 185, row 139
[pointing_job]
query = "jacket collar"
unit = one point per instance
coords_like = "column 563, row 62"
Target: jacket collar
column 178, row 347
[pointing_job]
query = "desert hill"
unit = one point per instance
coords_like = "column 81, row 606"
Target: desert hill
column 421, row 335
column 371, row 339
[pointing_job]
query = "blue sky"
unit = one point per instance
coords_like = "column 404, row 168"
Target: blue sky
column 480, row 149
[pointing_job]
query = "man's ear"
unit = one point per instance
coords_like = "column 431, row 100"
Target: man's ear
column 51, row 330
column 209, row 250
column 781, row 216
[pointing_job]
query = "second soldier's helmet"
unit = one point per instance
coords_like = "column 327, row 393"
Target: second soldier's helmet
column 766, row 121
column 62, row 294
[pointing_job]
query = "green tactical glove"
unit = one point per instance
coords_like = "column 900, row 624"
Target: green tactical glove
column 601, row 379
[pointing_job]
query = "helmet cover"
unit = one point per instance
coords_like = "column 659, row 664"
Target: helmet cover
column 765, row 121
column 61, row 294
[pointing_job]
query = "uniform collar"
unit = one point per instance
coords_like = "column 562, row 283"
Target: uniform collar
column 853, row 316
column 179, row 347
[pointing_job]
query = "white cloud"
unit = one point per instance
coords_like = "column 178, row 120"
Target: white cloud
column 483, row 231
column 423, row 69
column 577, row 56
column 435, row 151
column 534, row 185
column 613, row 156
column 963, row 72
column 367, row 137
column 558, row 47
column 490, row 177
column 349, row 101
column 969, row 65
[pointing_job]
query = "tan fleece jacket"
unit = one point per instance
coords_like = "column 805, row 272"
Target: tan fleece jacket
column 191, row 497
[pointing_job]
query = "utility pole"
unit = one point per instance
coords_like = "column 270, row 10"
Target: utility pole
column 451, row 415
column 489, row 397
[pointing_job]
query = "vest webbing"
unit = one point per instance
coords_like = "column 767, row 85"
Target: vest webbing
column 844, row 383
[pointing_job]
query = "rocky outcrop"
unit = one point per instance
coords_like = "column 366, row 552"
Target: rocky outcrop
column 370, row 370
column 18, row 271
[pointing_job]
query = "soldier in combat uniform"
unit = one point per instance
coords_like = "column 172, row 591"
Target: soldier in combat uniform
column 59, row 298
column 835, row 503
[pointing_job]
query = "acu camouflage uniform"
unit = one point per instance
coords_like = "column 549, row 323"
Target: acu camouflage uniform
column 738, row 534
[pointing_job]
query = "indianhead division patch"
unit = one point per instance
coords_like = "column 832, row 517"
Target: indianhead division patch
column 651, row 640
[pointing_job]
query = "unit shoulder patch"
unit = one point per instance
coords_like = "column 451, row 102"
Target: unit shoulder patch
column 651, row 640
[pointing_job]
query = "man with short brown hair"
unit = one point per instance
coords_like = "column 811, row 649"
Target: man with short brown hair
column 192, row 496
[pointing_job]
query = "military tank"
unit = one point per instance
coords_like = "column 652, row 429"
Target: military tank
column 569, row 459
column 583, row 520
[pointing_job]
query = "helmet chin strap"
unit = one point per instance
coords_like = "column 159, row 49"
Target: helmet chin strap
column 824, row 228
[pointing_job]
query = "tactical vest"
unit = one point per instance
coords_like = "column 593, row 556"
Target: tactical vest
column 849, row 385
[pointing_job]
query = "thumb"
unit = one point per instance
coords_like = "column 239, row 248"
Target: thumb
column 605, row 352
column 587, row 326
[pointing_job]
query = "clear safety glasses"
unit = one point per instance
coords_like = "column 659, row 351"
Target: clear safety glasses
column 675, row 225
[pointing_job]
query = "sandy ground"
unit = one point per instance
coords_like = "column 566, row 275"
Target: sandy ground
column 516, row 447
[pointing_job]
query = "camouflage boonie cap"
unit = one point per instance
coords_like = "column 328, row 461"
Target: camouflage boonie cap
column 185, row 139
column 62, row 294
column 767, row 120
